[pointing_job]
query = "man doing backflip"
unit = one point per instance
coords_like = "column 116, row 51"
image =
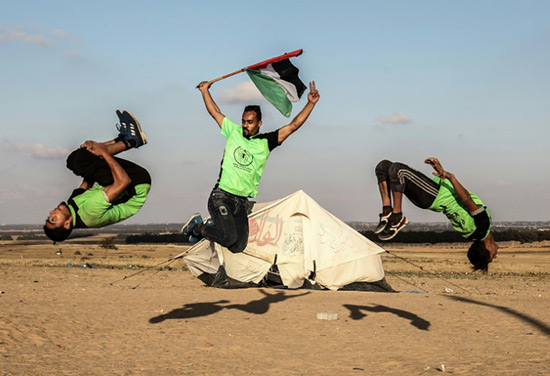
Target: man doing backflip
column 121, row 189
column 245, row 155
column 444, row 194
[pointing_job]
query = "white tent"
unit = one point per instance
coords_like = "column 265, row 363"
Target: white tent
column 302, row 241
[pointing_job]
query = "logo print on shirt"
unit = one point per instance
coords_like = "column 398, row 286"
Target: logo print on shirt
column 243, row 156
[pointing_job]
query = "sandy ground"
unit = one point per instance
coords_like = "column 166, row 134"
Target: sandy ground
column 60, row 320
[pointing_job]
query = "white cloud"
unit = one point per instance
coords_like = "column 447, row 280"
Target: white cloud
column 16, row 33
column 39, row 36
column 40, row 151
column 65, row 35
column 242, row 93
column 398, row 118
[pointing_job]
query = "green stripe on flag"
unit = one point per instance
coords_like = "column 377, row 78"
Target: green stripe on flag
column 271, row 90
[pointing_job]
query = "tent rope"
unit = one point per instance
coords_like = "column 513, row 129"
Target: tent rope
column 169, row 261
column 152, row 275
column 410, row 283
column 427, row 271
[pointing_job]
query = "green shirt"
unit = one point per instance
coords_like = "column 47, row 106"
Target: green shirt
column 464, row 222
column 244, row 159
column 90, row 208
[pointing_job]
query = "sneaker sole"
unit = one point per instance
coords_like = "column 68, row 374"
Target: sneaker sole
column 400, row 226
column 187, row 224
column 141, row 133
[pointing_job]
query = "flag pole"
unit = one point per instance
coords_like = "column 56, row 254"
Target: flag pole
column 223, row 77
column 255, row 66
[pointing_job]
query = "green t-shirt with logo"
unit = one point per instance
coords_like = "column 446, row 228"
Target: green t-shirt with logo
column 464, row 222
column 91, row 208
column 244, row 159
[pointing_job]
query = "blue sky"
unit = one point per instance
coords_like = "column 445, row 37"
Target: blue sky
column 465, row 81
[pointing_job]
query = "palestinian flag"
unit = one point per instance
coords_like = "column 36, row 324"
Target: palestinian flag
column 278, row 81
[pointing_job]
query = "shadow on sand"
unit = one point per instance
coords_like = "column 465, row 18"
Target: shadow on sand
column 257, row 307
column 528, row 319
column 357, row 314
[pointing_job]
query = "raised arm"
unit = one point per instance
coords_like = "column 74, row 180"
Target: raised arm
column 462, row 192
column 312, row 99
column 121, row 180
column 211, row 106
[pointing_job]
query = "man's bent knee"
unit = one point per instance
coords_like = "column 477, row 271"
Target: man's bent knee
column 79, row 160
column 381, row 170
column 238, row 247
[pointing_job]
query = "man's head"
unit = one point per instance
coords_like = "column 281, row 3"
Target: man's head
column 252, row 120
column 59, row 224
column 482, row 252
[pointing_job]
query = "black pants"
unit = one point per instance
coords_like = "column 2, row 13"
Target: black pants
column 229, row 214
column 94, row 169
column 419, row 189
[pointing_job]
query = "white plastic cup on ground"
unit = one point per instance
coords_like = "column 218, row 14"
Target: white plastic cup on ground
column 327, row 316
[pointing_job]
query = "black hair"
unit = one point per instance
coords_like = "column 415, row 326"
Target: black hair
column 256, row 109
column 57, row 234
column 479, row 256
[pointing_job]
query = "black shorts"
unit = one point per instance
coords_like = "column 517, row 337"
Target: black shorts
column 419, row 189
column 94, row 169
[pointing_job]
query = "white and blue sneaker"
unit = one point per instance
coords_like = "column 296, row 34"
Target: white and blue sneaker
column 130, row 130
column 188, row 228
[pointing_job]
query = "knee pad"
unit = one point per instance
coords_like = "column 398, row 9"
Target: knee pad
column 239, row 247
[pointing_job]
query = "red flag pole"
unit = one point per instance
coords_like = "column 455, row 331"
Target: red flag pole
column 259, row 65
column 276, row 59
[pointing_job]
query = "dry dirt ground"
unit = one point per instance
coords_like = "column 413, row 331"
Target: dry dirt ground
column 61, row 320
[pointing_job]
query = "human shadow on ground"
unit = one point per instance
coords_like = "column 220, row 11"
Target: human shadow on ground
column 261, row 306
column 357, row 314
column 193, row 310
column 528, row 319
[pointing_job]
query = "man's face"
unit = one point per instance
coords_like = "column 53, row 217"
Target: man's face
column 58, row 217
column 250, row 123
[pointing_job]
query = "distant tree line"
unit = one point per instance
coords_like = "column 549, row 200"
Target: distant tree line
column 156, row 238
column 522, row 235
column 433, row 237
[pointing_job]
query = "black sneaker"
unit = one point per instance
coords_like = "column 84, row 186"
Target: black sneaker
column 130, row 130
column 392, row 228
column 384, row 218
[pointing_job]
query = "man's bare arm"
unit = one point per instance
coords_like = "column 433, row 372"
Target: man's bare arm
column 211, row 106
column 121, row 180
column 462, row 192
column 296, row 123
column 84, row 185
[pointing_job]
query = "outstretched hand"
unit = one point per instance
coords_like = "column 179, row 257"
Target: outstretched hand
column 94, row 147
column 439, row 170
column 313, row 95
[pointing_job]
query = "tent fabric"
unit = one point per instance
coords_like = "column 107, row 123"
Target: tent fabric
column 300, row 239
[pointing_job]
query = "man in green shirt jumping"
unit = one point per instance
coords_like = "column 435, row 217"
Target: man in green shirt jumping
column 245, row 155
column 466, row 212
column 121, row 190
